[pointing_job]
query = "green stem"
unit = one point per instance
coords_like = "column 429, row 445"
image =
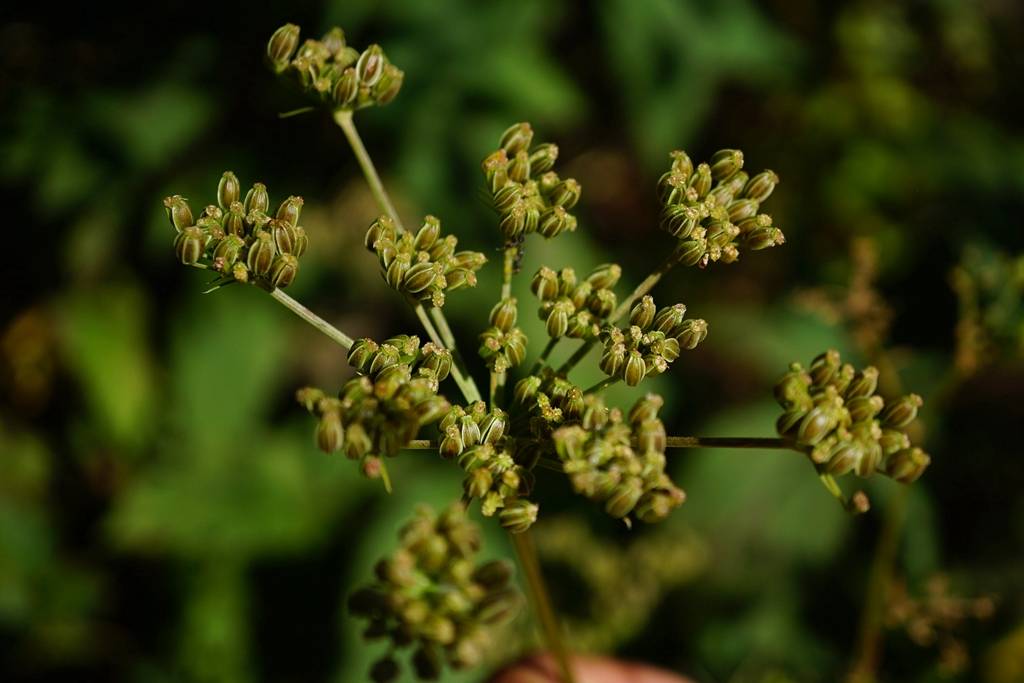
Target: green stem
column 344, row 119
column 466, row 384
column 730, row 442
column 498, row 379
column 641, row 289
column 601, row 386
column 312, row 318
column 448, row 338
column 552, row 630
column 542, row 361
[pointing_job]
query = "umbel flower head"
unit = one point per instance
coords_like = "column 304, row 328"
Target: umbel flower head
column 431, row 594
column 424, row 266
column 332, row 71
column 529, row 196
column 713, row 209
column 575, row 308
column 832, row 410
column 620, row 462
column 237, row 237
column 380, row 411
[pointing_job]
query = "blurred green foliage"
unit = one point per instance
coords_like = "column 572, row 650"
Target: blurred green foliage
column 163, row 512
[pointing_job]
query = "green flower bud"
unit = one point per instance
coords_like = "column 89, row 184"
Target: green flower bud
column 635, row 369
column 864, row 383
column 513, row 222
column 229, row 190
column 643, row 313
column 261, row 253
column 844, row 456
column 495, row 168
column 421, row 276
column 816, row 425
column 725, row 162
column 672, row 188
column 741, row 209
column 902, row 412
column 330, row 435
column 281, row 46
column 789, row 421
column 651, row 437
column 519, row 167
column 428, row 234
column 681, row 163
column 346, row 88
column 459, row 278
column 518, row 516
column 431, row 409
column 545, row 284
column 692, row 252
column 362, row 354
column 470, row 260
column 227, row 252
column 178, row 212
column 553, row 221
column 256, row 199
column 893, row 440
column 503, row 315
column 526, row 389
column 389, row 84
column 558, row 319
column 240, row 272
column 763, row 238
column 542, row 157
column 451, row 445
column 824, row 367
column 679, row 220
column 478, row 482
column 284, row 236
column 396, row 271
column 690, row 333
column 566, row 193
column 357, row 441
column 515, row 346
column 290, row 210
column 370, row 66
column 656, row 505
column 863, row 408
column 761, row 186
column 470, row 431
column 605, row 276
column 516, row 137
column 507, row 197
column 284, row 270
column 624, row 497
column 907, row 465
column 381, row 229
column 190, row 244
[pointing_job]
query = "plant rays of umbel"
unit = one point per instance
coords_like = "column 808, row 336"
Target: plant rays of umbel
column 432, row 594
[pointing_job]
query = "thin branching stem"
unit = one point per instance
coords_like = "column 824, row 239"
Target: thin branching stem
column 601, row 386
column 466, row 384
column 312, row 318
column 544, row 354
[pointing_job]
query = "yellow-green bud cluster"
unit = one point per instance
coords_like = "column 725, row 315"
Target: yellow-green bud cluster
column 652, row 341
column 332, row 71
column 575, row 308
column 619, row 461
column 713, row 209
column 237, row 237
column 433, row 595
column 834, row 412
column 479, row 441
column 423, row 265
column 551, row 401
column 379, row 412
column 528, row 195
column 503, row 344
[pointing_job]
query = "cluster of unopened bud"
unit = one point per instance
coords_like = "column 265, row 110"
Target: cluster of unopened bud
column 379, row 412
column 651, row 342
column 479, row 441
column 575, row 308
column 423, row 265
column 528, row 195
column 713, row 209
column 237, row 237
column 832, row 410
column 551, row 400
column 503, row 344
column 432, row 594
column 619, row 461
column 333, row 71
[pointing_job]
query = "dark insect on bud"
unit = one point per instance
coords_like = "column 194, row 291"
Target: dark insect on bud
column 283, row 271
column 189, row 245
column 178, row 212
column 229, row 190
column 516, row 137
column 370, row 66
column 281, row 46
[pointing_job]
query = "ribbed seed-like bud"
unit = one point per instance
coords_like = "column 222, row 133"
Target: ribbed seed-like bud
column 656, row 505
column 643, row 313
column 518, row 515
column 189, row 244
column 824, row 367
column 907, row 465
column 421, row 276
column 284, row 236
column 389, row 84
column 725, row 162
column 624, row 497
column 816, row 425
column 357, row 441
column 690, row 333
column 290, row 210
column 864, row 407
column 428, row 234
column 178, row 212
column 507, row 197
column 763, row 238
column 256, row 199
column 346, row 88
column 557, row 323
column 330, row 434
column 370, row 66
column 459, row 278
column 503, row 315
column 553, row 221
column 902, row 412
column 864, row 383
column 691, row 252
column 261, row 253
column 605, row 276
column 283, row 270
column 228, row 190
column 516, row 137
column 542, row 157
column 526, row 389
column 362, row 353
column 893, row 440
column 281, row 46
column 495, row 168
column 700, row 182
column 635, row 369
column 519, row 167
column 234, row 220
column 545, row 284
column 478, row 482
column 761, row 186
column 566, row 193
column 602, row 303
column 381, row 229
column 227, row 252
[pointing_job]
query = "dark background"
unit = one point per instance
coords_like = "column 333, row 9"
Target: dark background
column 163, row 512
